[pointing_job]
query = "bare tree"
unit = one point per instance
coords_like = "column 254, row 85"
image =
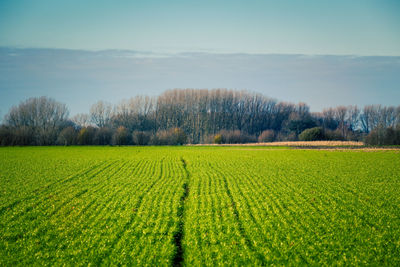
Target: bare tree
column 397, row 123
column 375, row 117
column 43, row 117
column 39, row 112
column 365, row 118
column 387, row 116
column 341, row 115
column 81, row 119
column 135, row 113
column 199, row 114
column 329, row 119
column 100, row 113
column 353, row 114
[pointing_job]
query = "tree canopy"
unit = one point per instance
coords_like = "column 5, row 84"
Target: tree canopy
column 189, row 116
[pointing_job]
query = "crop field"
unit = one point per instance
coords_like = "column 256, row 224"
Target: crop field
column 173, row 206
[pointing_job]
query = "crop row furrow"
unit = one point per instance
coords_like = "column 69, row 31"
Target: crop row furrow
column 128, row 224
column 196, row 206
column 49, row 229
column 115, row 208
column 324, row 232
column 213, row 225
column 161, row 203
column 118, row 187
column 39, row 203
column 243, row 233
column 250, row 191
column 253, row 215
column 34, row 193
column 287, row 213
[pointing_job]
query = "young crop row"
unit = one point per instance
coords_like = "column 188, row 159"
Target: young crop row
column 198, row 206
column 117, row 212
column 302, row 207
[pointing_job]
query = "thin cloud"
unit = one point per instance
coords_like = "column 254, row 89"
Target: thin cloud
column 79, row 77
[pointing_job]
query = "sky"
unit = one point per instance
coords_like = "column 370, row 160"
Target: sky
column 357, row 27
column 320, row 52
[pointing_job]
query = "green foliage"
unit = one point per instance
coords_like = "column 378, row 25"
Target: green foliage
column 312, row 134
column 196, row 206
column 334, row 135
column 299, row 125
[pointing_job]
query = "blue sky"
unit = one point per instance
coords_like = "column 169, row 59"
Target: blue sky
column 324, row 53
column 356, row 27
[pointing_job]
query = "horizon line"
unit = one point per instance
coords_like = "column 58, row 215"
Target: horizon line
column 193, row 52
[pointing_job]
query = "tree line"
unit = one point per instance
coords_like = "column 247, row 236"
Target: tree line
column 193, row 116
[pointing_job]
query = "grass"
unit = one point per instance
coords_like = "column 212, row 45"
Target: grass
column 198, row 206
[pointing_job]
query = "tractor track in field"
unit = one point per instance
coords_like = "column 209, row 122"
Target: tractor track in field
column 178, row 259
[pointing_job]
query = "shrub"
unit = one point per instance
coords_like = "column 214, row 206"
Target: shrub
column 179, row 135
column 6, row 136
column 174, row 136
column 121, row 137
column 299, row 125
column 333, row 135
column 46, row 137
column 24, row 136
column 235, row 137
column 266, row 136
column 86, row 136
column 391, row 136
column 218, row 139
column 103, row 136
column 286, row 136
column 312, row 134
column 383, row 136
column 67, row 136
column 141, row 138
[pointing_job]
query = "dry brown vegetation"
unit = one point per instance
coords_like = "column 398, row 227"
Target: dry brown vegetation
column 314, row 143
column 301, row 144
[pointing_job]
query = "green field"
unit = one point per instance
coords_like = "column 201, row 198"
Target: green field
column 198, row 206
